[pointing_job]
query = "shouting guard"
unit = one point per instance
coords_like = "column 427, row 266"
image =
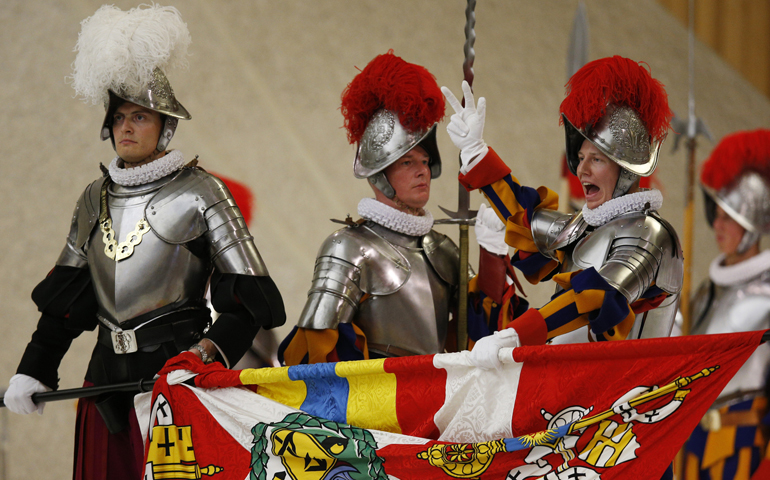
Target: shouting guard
column 146, row 239
column 617, row 264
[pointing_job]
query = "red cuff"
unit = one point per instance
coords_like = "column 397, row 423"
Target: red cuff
column 531, row 328
column 489, row 170
column 492, row 270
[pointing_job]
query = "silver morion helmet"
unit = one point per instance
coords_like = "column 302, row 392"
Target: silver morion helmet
column 619, row 134
column 157, row 96
column 384, row 141
column 747, row 202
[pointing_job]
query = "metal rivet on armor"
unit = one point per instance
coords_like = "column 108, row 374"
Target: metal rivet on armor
column 152, row 207
column 203, row 209
column 153, row 213
column 645, row 227
column 196, row 199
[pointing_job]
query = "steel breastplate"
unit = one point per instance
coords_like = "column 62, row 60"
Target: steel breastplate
column 155, row 275
column 738, row 308
column 415, row 317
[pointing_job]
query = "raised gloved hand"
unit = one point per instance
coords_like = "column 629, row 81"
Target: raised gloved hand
column 490, row 231
column 18, row 397
column 466, row 127
column 484, row 353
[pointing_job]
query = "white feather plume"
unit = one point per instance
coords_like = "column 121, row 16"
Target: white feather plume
column 119, row 50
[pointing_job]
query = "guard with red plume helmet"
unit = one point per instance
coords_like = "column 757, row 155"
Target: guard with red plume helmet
column 391, row 107
column 386, row 285
column 735, row 298
column 615, row 104
column 617, row 264
column 736, row 177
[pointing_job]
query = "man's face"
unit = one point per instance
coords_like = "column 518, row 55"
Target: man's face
column 728, row 232
column 136, row 130
column 597, row 173
column 410, row 178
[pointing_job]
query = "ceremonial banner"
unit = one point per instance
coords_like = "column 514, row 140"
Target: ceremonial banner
column 611, row 410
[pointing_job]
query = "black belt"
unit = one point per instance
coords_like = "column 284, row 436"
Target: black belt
column 129, row 341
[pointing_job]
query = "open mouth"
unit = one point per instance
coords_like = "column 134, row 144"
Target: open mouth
column 590, row 189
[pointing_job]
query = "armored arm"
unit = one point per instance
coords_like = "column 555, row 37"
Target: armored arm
column 231, row 245
column 197, row 206
column 634, row 252
column 634, row 257
column 334, row 293
column 552, row 230
column 242, row 291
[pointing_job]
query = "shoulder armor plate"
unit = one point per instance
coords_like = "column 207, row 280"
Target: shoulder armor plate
column 176, row 212
column 552, row 230
column 671, row 273
column 443, row 255
column 88, row 211
column 649, row 230
column 384, row 270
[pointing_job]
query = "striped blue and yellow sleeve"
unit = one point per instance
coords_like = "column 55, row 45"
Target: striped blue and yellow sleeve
column 515, row 204
column 587, row 299
column 307, row 346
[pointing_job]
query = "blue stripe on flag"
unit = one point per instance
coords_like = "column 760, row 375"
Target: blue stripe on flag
column 327, row 394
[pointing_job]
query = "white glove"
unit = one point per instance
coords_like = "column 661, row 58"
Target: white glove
column 490, row 231
column 484, row 353
column 18, row 397
column 466, row 127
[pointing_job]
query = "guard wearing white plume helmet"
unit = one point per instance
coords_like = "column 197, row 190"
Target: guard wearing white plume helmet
column 146, row 240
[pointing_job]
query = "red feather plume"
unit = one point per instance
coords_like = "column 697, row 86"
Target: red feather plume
column 736, row 154
column 621, row 81
column 391, row 83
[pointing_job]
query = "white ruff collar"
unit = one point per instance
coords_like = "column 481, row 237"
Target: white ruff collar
column 739, row 273
column 149, row 172
column 632, row 202
column 393, row 219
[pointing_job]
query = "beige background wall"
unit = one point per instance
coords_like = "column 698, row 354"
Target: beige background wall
column 263, row 88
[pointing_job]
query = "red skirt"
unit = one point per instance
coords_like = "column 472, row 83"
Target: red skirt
column 100, row 455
